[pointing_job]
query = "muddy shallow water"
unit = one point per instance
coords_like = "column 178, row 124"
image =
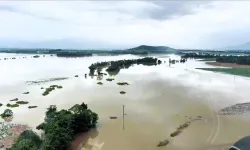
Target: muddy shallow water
column 157, row 101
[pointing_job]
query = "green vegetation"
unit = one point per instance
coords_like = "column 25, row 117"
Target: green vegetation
column 51, row 88
column 208, row 59
column 36, row 56
column 183, row 126
column 110, row 79
column 22, row 102
column 175, row 133
column 30, row 107
column 122, row 83
column 42, row 87
column 46, row 80
column 15, row 99
column 198, row 55
column 234, row 71
column 76, row 76
column 7, row 113
column 1, row 104
column 26, row 92
column 115, row 66
column 122, row 92
column 12, row 105
column 241, row 60
column 100, row 83
column 59, row 127
column 163, row 143
column 28, row 140
column 73, row 54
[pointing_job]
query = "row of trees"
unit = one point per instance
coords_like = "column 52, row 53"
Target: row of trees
column 200, row 55
column 59, row 127
column 73, row 54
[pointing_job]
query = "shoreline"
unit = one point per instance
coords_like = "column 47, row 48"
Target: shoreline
column 230, row 65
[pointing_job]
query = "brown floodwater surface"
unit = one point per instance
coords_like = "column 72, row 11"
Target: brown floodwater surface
column 158, row 100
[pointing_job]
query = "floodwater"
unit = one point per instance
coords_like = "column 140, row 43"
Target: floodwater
column 157, row 101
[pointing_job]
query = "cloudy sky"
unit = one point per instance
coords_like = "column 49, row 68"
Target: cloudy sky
column 121, row 24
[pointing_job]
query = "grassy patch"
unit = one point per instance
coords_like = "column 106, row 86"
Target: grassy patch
column 100, row 83
column 22, row 102
column 15, row 99
column 12, row 105
column 234, row 71
column 110, row 79
column 122, row 92
column 122, row 83
column 30, row 107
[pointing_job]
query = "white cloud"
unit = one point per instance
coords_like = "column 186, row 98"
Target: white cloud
column 126, row 23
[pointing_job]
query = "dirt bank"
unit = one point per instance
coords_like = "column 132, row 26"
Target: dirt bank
column 227, row 65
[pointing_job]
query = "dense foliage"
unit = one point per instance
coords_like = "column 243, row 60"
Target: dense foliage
column 28, row 140
column 60, row 128
column 115, row 66
column 242, row 60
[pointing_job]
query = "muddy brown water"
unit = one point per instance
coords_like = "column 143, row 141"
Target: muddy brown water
column 158, row 100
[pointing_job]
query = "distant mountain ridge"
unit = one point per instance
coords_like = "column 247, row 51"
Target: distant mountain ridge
column 146, row 49
column 244, row 46
column 151, row 48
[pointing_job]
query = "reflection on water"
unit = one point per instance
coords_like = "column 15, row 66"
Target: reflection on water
column 84, row 141
column 158, row 100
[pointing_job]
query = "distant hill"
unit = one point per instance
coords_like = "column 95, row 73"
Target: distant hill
column 150, row 49
column 245, row 46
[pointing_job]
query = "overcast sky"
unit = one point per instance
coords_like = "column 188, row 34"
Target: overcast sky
column 107, row 24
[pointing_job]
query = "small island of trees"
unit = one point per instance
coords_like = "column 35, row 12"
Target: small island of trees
column 115, row 66
column 59, row 127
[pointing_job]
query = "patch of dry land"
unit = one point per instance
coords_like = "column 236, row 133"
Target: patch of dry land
column 232, row 65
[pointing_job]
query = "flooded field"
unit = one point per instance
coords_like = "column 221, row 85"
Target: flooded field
column 158, row 100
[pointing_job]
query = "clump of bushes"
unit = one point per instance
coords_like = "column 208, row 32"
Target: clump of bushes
column 51, row 88
column 59, row 87
column 163, row 143
column 175, row 133
column 12, row 105
column 15, row 99
column 22, row 102
column 183, row 126
column 42, row 88
column 7, row 113
column 30, row 107
column 1, row 104
column 110, row 79
column 122, row 83
column 100, row 83
column 76, row 75
column 122, row 92
column 26, row 92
